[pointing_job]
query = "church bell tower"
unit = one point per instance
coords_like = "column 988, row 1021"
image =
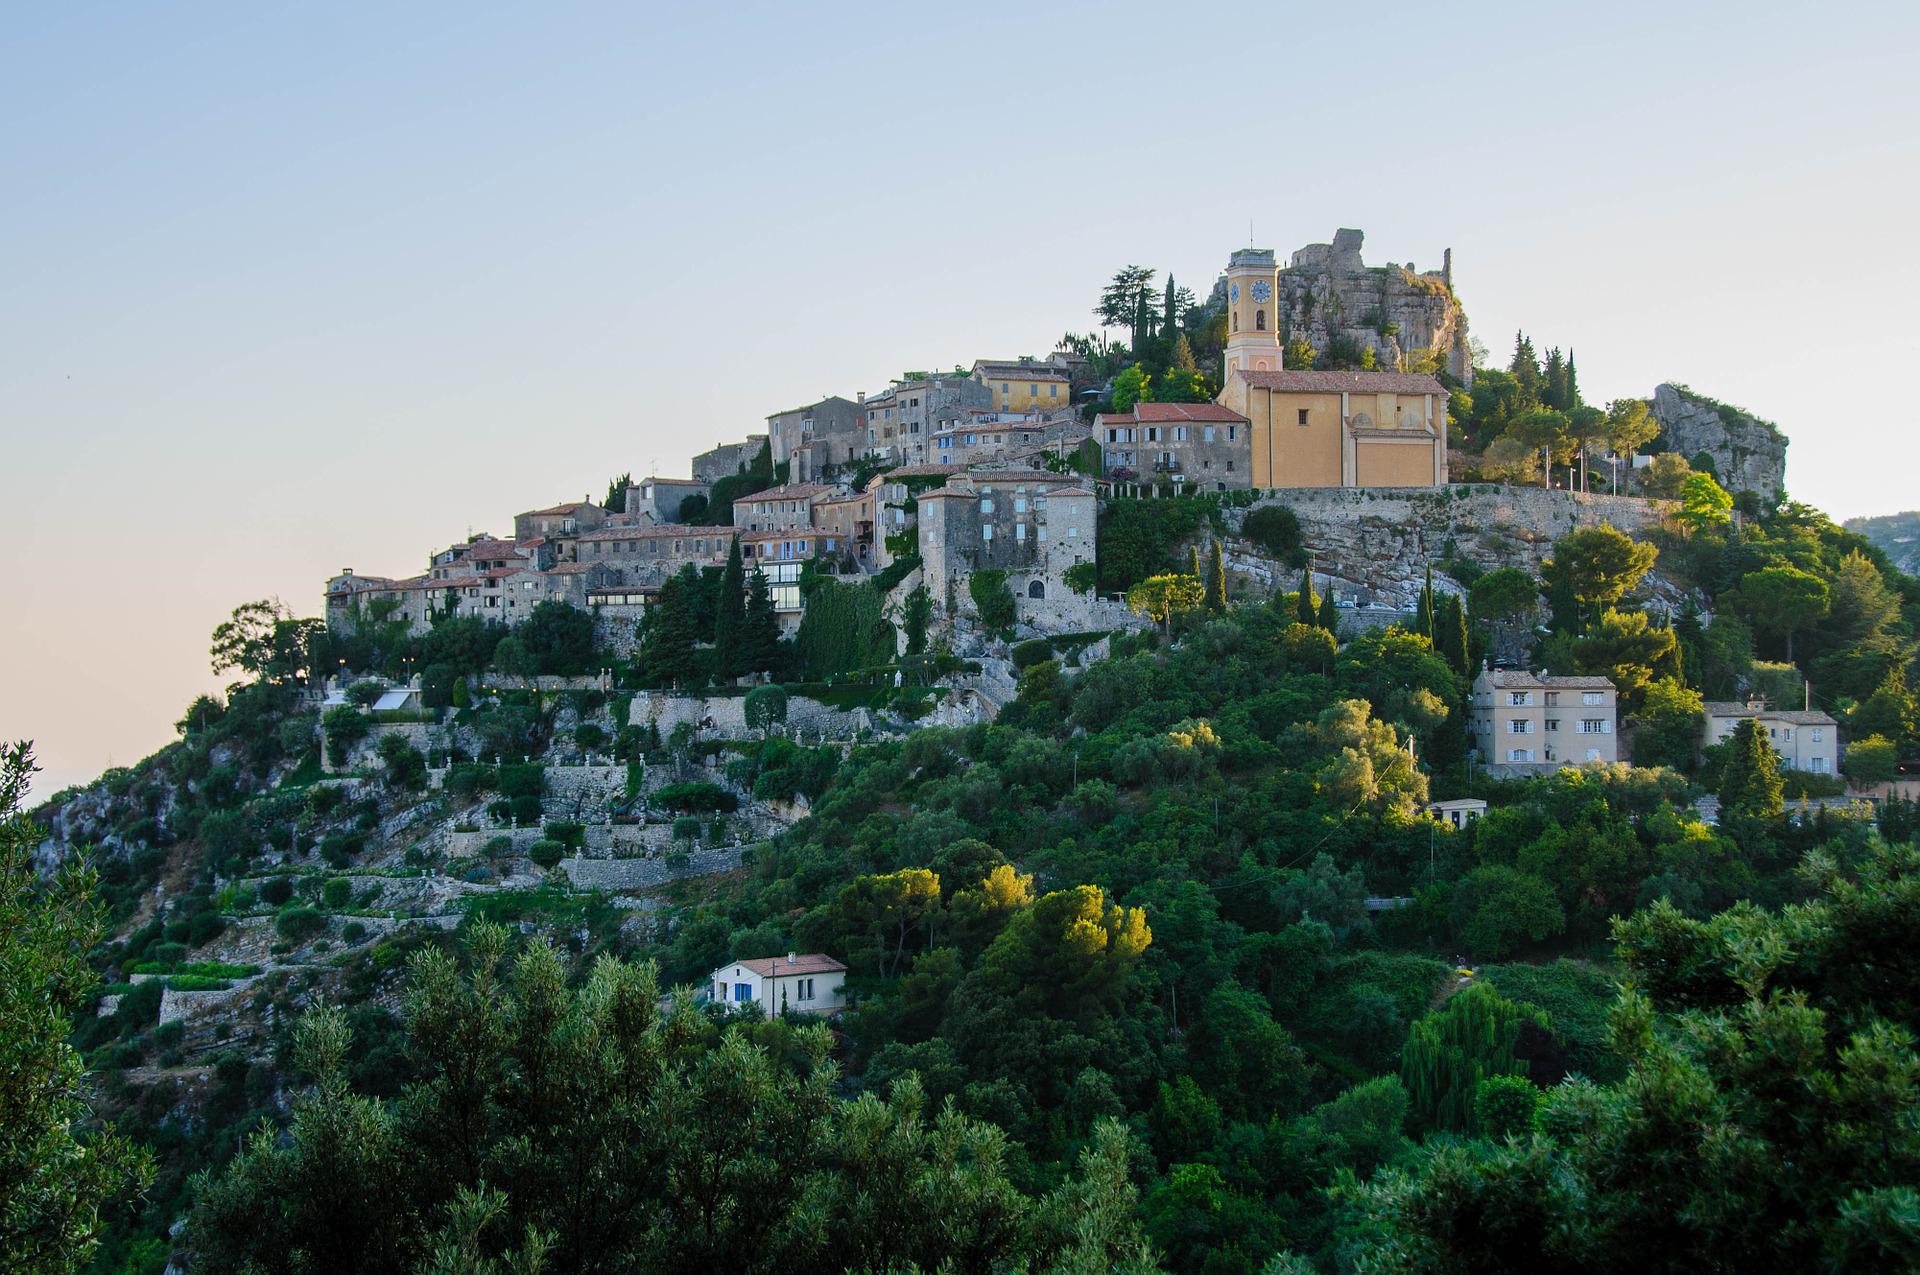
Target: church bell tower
column 1253, row 312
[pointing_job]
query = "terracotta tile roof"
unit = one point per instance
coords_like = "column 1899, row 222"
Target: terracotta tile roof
column 1156, row 413
column 655, row 531
column 1343, row 382
column 572, row 508
column 780, row 966
column 1070, row 491
column 792, row 491
column 1520, row 679
column 571, row 568
column 917, row 471
column 488, row 549
column 676, row 482
column 1016, row 371
column 795, row 533
column 1794, row 716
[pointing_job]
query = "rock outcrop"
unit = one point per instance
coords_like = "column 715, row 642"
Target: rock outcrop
column 1405, row 317
column 1748, row 454
column 1373, row 546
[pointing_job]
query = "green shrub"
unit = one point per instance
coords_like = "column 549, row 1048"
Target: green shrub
column 1082, row 576
column 353, row 931
column 547, row 852
column 686, row 828
column 1275, row 531
column 993, row 599
column 571, row 835
column 196, row 983
column 526, row 811
column 344, row 726
column 497, row 847
column 337, row 892
column 204, row 928
column 696, row 798
column 1027, row 654
column 298, row 924
column 522, row 780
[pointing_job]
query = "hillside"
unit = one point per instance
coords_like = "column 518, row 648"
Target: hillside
column 1160, row 914
column 1896, row 535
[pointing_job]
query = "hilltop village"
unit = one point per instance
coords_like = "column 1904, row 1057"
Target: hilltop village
column 1143, row 803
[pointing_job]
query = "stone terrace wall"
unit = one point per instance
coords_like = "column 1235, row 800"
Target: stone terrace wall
column 1377, row 543
column 725, row 716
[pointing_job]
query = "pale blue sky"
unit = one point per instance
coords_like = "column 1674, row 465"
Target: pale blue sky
column 289, row 288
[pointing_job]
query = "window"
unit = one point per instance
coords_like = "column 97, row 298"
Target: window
column 1519, row 727
column 1259, row 320
column 1553, row 723
column 1179, row 433
column 1303, row 416
column 1593, row 754
column 1073, row 533
column 1206, row 434
column 1053, row 391
column 1819, row 735
column 1519, row 699
column 743, row 992
column 1595, row 726
column 986, row 504
column 986, row 532
column 1592, row 697
column 1519, row 754
column 1019, row 532
column 1818, row 765
column 1553, row 697
column 1233, row 432
column 1019, row 504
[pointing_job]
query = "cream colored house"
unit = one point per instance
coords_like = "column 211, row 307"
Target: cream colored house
column 1805, row 740
column 1524, row 723
column 800, row 983
column 1459, row 812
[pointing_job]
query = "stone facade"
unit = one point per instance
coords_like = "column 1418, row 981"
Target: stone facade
column 781, row 508
column 1749, row 454
column 660, row 499
column 648, row 554
column 1201, row 446
column 1024, row 385
column 727, row 459
column 837, row 428
column 1032, row 525
column 900, row 421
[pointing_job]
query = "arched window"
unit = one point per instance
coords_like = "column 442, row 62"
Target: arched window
column 1236, row 320
column 1259, row 320
column 1036, row 590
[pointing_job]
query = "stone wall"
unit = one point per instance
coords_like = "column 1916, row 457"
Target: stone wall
column 1373, row 545
column 1749, row 454
column 642, row 874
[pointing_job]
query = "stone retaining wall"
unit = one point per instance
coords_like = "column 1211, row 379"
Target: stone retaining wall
column 641, row 874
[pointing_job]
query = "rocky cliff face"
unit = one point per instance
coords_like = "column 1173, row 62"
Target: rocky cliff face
column 1896, row 535
column 1373, row 547
column 1328, row 292
column 1749, row 454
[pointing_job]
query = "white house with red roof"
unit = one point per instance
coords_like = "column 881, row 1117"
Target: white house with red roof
column 797, row 983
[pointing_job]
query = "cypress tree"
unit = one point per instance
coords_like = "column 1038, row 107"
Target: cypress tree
column 1750, row 784
column 730, row 617
column 1452, row 639
column 1423, row 614
column 760, row 641
column 1217, row 582
column 1193, row 562
column 1573, row 384
column 1308, row 607
column 1329, row 614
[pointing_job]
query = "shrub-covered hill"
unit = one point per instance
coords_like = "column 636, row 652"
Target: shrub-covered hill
column 1161, row 967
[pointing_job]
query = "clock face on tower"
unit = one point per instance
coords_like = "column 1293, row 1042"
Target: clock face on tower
column 1262, row 290
column 1233, row 292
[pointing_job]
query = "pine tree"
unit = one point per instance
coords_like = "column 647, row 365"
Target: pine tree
column 669, row 651
column 1217, row 581
column 1329, row 614
column 1553, row 389
column 730, row 616
column 1526, row 370
column 760, row 642
column 1750, row 783
column 1308, row 607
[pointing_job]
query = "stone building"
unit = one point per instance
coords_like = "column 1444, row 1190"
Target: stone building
column 1524, row 723
column 660, row 499
column 900, row 421
column 849, row 519
column 781, row 508
column 1806, row 740
column 975, row 436
column 1024, row 384
column 560, row 521
column 837, row 428
column 650, row 552
column 727, row 459
column 1030, row 524
column 1204, row 446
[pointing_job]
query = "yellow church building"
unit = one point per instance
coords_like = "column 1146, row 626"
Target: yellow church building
column 1322, row 429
